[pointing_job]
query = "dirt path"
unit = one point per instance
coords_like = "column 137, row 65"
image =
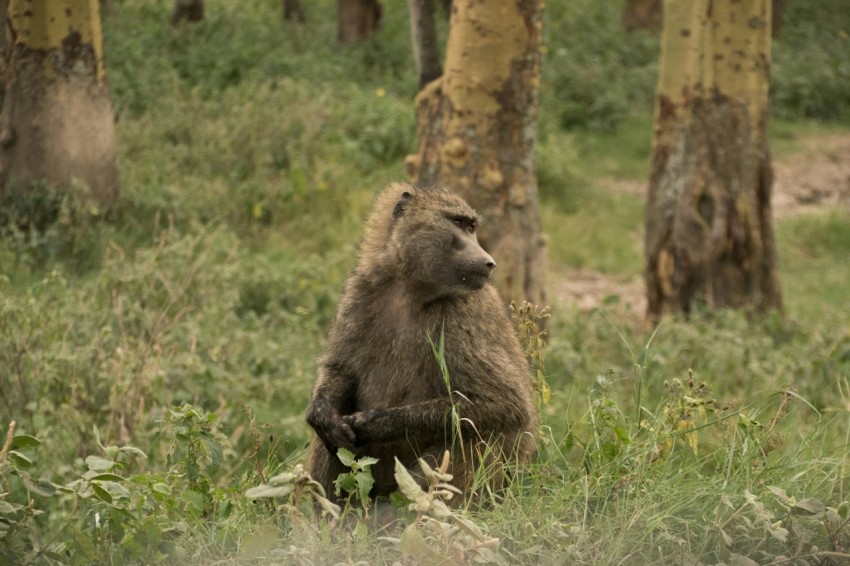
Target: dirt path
column 817, row 177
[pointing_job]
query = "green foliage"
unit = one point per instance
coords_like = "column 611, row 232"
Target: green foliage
column 440, row 534
column 814, row 265
column 528, row 319
column 18, row 511
column 810, row 75
column 357, row 483
column 594, row 75
column 40, row 223
column 298, row 486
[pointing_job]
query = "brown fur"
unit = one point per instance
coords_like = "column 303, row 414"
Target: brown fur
column 380, row 390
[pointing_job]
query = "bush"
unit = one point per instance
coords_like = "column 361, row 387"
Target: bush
column 594, row 75
column 810, row 76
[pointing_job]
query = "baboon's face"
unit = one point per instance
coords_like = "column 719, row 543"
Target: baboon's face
column 440, row 248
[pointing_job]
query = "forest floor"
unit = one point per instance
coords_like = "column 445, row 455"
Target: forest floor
column 814, row 177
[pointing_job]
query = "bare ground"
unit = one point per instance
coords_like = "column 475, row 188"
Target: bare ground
column 817, row 177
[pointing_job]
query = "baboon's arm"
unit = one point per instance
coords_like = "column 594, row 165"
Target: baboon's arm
column 431, row 421
column 334, row 395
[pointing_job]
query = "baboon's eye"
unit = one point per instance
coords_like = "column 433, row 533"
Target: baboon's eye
column 468, row 225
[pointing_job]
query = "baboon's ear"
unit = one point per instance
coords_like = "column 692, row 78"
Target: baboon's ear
column 398, row 210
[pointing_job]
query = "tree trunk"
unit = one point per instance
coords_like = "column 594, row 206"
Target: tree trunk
column 642, row 14
column 192, row 10
column 477, row 129
column 709, row 232
column 423, row 35
column 357, row 19
column 647, row 14
column 778, row 13
column 294, row 11
column 56, row 123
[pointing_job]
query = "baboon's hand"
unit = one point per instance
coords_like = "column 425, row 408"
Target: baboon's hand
column 330, row 426
column 359, row 423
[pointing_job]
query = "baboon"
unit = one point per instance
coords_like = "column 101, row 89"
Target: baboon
column 422, row 280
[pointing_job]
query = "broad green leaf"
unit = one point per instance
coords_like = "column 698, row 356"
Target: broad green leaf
column 344, row 483
column 43, row 486
column 107, row 477
column 7, row 508
column 364, row 481
column 345, row 456
column 215, row 453
column 113, row 488
column 812, row 506
column 24, row 441
column 20, row 460
column 162, row 488
column 197, row 501
column 781, row 495
column 779, row 533
column 101, row 493
column 98, row 464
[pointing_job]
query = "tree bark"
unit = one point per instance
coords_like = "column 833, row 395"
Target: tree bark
column 709, row 231
column 477, row 129
column 293, row 10
column 56, row 124
column 642, row 14
column 647, row 14
column 778, row 12
column 357, row 19
column 191, row 10
column 423, row 35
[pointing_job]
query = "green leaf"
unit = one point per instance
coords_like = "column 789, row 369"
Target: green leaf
column 346, row 457
column 43, row 486
column 268, row 491
column 113, row 488
column 162, row 488
column 7, row 508
column 812, row 506
column 364, row 481
column 107, row 477
column 98, row 464
column 367, row 461
column 20, row 460
column 781, row 495
column 101, row 493
column 133, row 450
column 215, row 454
column 24, row 441
column 344, row 483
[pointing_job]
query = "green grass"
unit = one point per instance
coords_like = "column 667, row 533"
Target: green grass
column 250, row 151
column 815, row 265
